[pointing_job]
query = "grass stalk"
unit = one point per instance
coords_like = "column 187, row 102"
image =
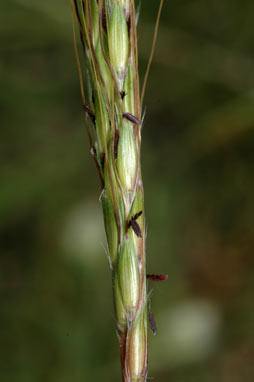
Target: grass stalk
column 112, row 111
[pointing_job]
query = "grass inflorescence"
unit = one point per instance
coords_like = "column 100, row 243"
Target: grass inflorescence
column 110, row 93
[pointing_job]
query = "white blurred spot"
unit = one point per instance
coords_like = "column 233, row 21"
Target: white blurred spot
column 187, row 333
column 83, row 234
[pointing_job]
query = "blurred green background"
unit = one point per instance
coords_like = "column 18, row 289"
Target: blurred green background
column 56, row 313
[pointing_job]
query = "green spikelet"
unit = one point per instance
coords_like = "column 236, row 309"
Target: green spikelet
column 110, row 226
column 127, row 157
column 137, row 346
column 118, row 42
column 128, row 277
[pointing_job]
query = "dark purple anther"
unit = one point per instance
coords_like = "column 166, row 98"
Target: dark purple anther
column 122, row 94
column 131, row 118
column 116, row 143
column 136, row 228
column 154, row 277
column 152, row 323
column 137, row 215
column 104, row 19
column 134, row 225
column 89, row 112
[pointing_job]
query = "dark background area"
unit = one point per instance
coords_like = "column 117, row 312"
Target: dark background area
column 56, row 311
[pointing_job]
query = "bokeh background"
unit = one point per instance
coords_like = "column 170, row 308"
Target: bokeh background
column 56, row 313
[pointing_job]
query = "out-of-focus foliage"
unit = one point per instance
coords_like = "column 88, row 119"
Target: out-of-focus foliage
column 56, row 314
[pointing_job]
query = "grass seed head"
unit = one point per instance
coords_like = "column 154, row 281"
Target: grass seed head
column 138, row 349
column 118, row 40
column 110, row 227
column 127, row 160
column 129, row 277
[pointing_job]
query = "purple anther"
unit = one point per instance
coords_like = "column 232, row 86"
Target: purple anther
column 154, row 277
column 152, row 323
column 132, row 118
